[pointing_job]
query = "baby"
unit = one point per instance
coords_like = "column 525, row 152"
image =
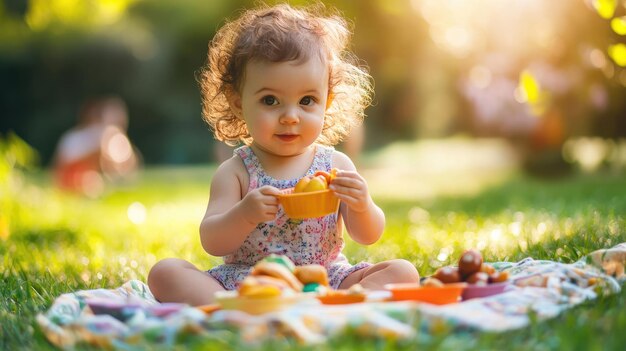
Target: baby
column 281, row 81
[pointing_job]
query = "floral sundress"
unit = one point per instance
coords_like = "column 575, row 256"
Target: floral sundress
column 304, row 241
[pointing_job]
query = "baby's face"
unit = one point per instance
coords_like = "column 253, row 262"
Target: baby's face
column 283, row 104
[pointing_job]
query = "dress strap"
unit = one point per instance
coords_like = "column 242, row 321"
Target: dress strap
column 253, row 166
column 323, row 158
column 248, row 157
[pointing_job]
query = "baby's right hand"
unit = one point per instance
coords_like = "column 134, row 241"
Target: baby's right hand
column 260, row 205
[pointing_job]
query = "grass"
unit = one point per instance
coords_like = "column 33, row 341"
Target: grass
column 57, row 243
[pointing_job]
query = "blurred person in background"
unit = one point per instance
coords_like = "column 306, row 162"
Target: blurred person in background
column 96, row 150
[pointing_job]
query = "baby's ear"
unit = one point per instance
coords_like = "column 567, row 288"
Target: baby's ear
column 234, row 101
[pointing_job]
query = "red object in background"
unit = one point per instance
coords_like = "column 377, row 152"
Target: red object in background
column 82, row 175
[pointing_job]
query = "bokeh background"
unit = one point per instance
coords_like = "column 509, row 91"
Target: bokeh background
column 547, row 77
column 498, row 125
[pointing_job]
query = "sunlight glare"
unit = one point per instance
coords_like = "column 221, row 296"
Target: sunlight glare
column 618, row 25
column 523, row 245
column 118, row 148
column 589, row 153
column 481, row 245
column 541, row 228
column 136, row 213
column 618, row 53
column 480, row 76
column 459, row 40
column 85, row 276
column 529, row 87
column 444, row 253
column 515, row 228
column 605, row 8
column 496, row 234
column 418, row 215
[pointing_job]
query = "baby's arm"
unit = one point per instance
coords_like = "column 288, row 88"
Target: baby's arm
column 364, row 220
column 231, row 216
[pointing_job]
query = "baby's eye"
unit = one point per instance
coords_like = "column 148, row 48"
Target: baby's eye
column 269, row 100
column 307, row 100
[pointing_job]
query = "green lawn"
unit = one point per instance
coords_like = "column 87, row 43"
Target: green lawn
column 58, row 243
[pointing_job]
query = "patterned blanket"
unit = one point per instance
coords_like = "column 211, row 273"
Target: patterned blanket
column 129, row 316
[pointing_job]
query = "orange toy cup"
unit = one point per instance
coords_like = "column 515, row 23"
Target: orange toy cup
column 308, row 204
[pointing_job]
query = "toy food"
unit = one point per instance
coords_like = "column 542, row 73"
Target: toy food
column 310, row 197
column 329, row 176
column 478, row 278
column 470, row 263
column 313, row 273
column 448, row 275
column 432, row 282
column 311, row 183
column 314, row 287
column 271, row 286
column 354, row 294
column 265, row 287
column 276, row 270
column 498, row 277
column 281, row 259
column 481, row 279
column 320, row 180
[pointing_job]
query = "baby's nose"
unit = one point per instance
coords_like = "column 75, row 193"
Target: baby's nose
column 289, row 116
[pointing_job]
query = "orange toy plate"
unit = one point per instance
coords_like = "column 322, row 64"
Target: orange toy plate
column 448, row 293
column 341, row 299
column 308, row 205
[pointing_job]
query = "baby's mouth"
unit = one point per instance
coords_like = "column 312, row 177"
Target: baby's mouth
column 287, row 137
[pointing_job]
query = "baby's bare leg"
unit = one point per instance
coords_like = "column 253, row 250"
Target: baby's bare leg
column 376, row 276
column 176, row 280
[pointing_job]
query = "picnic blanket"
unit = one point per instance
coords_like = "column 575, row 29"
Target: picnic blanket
column 541, row 288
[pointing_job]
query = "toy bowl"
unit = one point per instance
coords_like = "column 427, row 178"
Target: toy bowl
column 230, row 300
column 472, row 291
column 311, row 204
column 437, row 295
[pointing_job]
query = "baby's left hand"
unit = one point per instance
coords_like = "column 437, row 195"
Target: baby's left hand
column 351, row 188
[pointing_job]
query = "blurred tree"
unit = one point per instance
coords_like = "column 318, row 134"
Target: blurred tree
column 440, row 68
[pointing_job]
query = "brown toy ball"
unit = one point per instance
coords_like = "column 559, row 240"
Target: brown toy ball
column 470, row 262
column 447, row 275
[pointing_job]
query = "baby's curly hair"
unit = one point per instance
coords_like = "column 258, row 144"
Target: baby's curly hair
column 278, row 34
